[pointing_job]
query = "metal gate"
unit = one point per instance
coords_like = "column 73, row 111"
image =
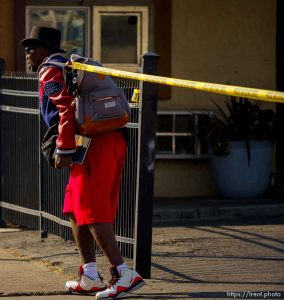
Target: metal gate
column 32, row 193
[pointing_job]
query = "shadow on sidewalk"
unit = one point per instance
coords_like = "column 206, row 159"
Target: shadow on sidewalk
column 150, row 296
column 183, row 278
column 218, row 229
column 173, row 272
column 15, row 259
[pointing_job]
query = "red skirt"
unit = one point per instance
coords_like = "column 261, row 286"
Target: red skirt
column 93, row 190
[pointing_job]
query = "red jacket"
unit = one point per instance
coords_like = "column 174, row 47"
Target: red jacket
column 58, row 105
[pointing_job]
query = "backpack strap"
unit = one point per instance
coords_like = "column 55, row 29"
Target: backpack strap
column 45, row 65
column 54, row 63
column 51, row 62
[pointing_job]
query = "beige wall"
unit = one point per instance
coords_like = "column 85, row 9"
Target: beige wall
column 178, row 178
column 221, row 41
column 7, row 33
column 216, row 41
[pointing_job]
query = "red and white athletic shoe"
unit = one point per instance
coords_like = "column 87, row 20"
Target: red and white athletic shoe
column 120, row 285
column 85, row 285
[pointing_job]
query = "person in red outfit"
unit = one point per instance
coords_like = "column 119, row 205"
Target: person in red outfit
column 92, row 193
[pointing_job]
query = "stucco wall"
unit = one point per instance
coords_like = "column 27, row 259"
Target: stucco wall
column 216, row 41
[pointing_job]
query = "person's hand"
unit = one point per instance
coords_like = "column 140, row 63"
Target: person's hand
column 63, row 161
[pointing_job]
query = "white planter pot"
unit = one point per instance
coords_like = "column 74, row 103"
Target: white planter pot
column 237, row 179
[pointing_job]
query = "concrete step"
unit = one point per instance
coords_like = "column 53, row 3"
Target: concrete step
column 170, row 210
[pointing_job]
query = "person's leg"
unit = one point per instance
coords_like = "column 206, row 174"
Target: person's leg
column 109, row 171
column 124, row 280
column 105, row 237
column 84, row 240
column 90, row 282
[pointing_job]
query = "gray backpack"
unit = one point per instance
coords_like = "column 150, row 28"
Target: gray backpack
column 100, row 105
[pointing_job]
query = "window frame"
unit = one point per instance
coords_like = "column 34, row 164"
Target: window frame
column 87, row 14
column 174, row 134
column 142, row 13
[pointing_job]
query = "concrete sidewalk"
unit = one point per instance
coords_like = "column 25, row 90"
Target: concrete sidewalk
column 220, row 261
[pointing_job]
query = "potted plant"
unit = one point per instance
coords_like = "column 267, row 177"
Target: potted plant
column 241, row 140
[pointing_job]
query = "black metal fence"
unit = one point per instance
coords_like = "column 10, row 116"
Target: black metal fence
column 32, row 193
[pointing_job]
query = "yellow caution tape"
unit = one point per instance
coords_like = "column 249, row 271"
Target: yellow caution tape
column 265, row 95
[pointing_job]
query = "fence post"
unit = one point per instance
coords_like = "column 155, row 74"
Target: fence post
column 2, row 66
column 146, row 160
column 2, row 69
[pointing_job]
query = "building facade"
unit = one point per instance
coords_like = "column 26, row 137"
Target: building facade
column 218, row 41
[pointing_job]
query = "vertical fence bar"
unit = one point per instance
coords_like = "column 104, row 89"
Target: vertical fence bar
column 146, row 163
column 2, row 64
column 280, row 87
column 42, row 232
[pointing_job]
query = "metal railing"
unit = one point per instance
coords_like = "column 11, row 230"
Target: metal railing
column 32, row 193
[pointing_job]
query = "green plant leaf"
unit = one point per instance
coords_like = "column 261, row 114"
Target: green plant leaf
column 243, row 120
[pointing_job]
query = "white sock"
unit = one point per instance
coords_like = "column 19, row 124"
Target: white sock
column 121, row 267
column 90, row 270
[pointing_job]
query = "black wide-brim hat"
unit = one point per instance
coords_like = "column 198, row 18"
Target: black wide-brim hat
column 45, row 36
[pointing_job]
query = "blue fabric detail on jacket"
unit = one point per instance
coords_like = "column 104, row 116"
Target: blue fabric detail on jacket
column 49, row 111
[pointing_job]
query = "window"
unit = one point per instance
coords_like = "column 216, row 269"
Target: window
column 72, row 21
column 177, row 135
column 120, row 36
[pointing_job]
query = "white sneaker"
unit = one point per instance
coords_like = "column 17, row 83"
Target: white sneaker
column 120, row 285
column 85, row 285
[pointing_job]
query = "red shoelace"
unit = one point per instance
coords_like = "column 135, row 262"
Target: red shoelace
column 114, row 276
